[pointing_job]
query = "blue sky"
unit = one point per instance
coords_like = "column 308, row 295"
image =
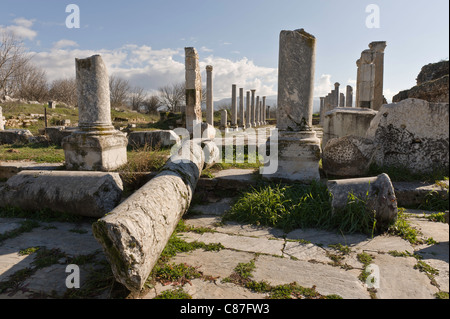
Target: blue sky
column 143, row 41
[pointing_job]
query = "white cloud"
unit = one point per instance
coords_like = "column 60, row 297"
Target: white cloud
column 388, row 94
column 64, row 43
column 244, row 73
column 151, row 69
column 205, row 49
column 23, row 22
column 141, row 65
column 323, row 85
column 21, row 28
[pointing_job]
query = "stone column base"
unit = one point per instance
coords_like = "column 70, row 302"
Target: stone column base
column 87, row 151
column 298, row 157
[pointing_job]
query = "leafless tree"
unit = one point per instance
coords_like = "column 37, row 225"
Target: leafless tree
column 30, row 83
column 13, row 56
column 152, row 103
column 119, row 91
column 173, row 96
column 137, row 96
column 64, row 90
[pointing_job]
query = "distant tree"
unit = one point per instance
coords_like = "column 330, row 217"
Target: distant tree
column 137, row 96
column 64, row 90
column 13, row 57
column 152, row 103
column 173, row 96
column 119, row 91
column 30, row 83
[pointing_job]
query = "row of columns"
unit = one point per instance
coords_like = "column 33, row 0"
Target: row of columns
column 253, row 115
column 335, row 99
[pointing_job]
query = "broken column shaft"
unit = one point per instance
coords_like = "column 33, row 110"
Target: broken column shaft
column 134, row 234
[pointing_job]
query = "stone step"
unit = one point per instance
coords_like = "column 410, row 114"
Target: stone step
column 407, row 193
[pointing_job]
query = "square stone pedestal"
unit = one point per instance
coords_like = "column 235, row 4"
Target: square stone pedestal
column 297, row 158
column 87, row 151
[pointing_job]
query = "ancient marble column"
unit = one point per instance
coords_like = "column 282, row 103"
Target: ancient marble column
column 341, row 100
column 369, row 81
column 322, row 106
column 248, row 121
column 261, row 113
column 349, row 97
column 365, row 86
column 264, row 110
column 96, row 145
column 193, row 89
column 223, row 119
column 252, row 112
column 241, row 109
column 298, row 146
column 358, row 81
column 378, row 48
column 336, row 94
column 2, row 125
column 257, row 112
column 209, row 96
column 295, row 79
column 234, row 109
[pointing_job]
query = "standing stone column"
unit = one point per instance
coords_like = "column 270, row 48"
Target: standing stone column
column 321, row 112
column 252, row 114
column 241, row 123
column 257, row 111
column 96, row 145
column 2, row 124
column 261, row 113
column 234, row 110
column 264, row 110
column 209, row 96
column 336, row 94
column 369, row 80
column 378, row 48
column 298, row 146
column 248, row 121
column 366, row 82
column 358, row 81
column 295, row 79
column 193, row 89
column 223, row 119
column 341, row 100
column 349, row 97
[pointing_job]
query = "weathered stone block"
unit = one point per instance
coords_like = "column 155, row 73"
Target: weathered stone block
column 57, row 133
column 377, row 191
column 12, row 136
column 159, row 138
column 413, row 134
column 345, row 121
column 95, row 152
column 348, row 156
column 91, row 194
column 298, row 157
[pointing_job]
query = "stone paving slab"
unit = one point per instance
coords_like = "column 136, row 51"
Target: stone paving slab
column 242, row 243
column 399, row 279
column 327, row 279
column 302, row 256
column 219, row 264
